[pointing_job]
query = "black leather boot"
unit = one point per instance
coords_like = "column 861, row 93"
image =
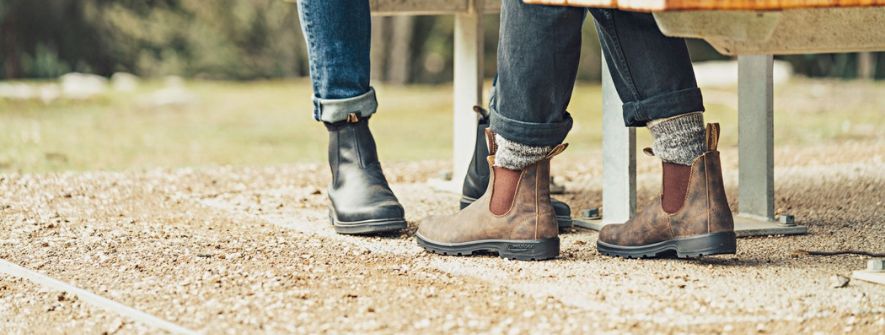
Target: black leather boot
column 477, row 179
column 362, row 202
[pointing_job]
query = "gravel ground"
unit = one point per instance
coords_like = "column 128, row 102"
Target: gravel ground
column 232, row 250
column 26, row 308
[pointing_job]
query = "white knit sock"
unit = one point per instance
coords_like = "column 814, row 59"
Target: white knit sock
column 679, row 139
column 515, row 156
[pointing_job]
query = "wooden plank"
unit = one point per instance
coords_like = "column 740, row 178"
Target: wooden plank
column 756, row 226
column 877, row 277
column 91, row 298
column 743, row 226
column 576, row 3
column 665, row 5
column 796, row 31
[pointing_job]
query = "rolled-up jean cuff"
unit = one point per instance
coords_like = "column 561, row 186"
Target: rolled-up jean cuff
column 638, row 113
column 336, row 110
column 528, row 133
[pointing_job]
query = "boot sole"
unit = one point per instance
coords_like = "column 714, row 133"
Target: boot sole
column 686, row 247
column 563, row 222
column 523, row 250
column 367, row 227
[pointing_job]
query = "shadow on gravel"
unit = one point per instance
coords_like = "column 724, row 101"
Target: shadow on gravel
column 571, row 257
column 735, row 262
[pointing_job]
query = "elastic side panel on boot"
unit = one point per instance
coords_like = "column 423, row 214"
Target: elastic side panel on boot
column 693, row 218
column 334, row 159
column 355, row 142
column 675, row 183
column 507, row 185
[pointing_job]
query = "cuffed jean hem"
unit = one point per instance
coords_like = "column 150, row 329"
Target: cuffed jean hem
column 638, row 113
column 533, row 134
column 336, row 110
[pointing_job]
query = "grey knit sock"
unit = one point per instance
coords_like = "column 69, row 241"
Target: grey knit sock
column 515, row 156
column 679, row 139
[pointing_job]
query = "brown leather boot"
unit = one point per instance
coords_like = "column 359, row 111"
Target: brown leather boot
column 527, row 231
column 702, row 226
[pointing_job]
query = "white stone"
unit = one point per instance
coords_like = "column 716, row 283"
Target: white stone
column 172, row 95
column 17, row 91
column 124, row 82
column 82, row 86
column 49, row 93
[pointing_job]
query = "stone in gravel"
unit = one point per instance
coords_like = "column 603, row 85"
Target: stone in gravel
column 838, row 281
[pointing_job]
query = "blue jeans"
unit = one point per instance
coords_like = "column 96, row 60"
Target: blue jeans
column 538, row 53
column 338, row 34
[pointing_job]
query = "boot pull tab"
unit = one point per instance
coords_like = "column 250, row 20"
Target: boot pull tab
column 353, row 118
column 490, row 136
column 648, row 151
column 483, row 113
column 712, row 136
column 556, row 150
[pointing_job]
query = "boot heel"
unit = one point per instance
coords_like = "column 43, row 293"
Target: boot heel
column 530, row 250
column 709, row 244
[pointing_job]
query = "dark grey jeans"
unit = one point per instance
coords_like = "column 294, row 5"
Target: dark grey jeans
column 538, row 54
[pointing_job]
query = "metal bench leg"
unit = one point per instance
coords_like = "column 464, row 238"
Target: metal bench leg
column 756, row 150
column 618, row 160
column 468, row 82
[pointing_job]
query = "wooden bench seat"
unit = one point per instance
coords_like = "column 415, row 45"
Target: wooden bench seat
column 667, row 5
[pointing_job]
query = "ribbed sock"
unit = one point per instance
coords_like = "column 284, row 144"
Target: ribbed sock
column 515, row 156
column 503, row 190
column 679, row 139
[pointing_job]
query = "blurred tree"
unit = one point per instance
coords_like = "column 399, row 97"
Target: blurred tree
column 223, row 39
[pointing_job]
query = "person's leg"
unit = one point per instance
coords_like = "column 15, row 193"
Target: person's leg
column 538, row 54
column 655, row 80
column 338, row 34
column 476, row 181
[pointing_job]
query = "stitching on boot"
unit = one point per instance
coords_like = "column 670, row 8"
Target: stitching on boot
column 707, row 186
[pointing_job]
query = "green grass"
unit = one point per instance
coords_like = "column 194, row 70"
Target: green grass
column 259, row 123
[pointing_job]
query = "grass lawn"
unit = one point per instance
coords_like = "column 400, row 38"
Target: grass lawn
column 259, row 123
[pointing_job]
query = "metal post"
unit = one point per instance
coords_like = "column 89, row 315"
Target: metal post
column 618, row 156
column 467, row 86
column 756, row 136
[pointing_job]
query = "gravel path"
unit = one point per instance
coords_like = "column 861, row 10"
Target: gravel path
column 26, row 308
column 225, row 250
